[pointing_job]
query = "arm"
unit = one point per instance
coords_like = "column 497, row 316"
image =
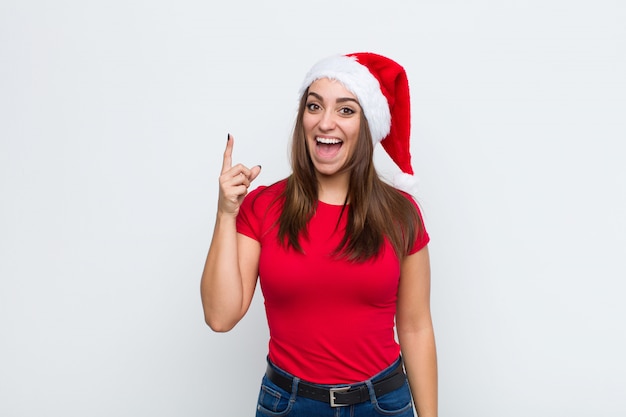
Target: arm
column 415, row 332
column 231, row 267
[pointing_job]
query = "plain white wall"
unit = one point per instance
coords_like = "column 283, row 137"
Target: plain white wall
column 113, row 119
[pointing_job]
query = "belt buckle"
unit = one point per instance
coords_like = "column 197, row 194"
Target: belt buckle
column 332, row 392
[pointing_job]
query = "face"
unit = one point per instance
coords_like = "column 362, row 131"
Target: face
column 331, row 122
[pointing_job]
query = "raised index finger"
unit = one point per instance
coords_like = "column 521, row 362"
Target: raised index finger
column 228, row 155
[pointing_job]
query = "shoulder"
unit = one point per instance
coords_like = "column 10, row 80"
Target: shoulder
column 264, row 196
column 260, row 209
column 268, row 193
column 411, row 199
column 406, row 195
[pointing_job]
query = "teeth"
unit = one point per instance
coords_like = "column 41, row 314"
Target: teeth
column 328, row 141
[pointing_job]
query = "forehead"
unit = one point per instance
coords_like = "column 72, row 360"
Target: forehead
column 330, row 88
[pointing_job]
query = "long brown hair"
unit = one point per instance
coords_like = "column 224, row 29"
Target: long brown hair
column 376, row 210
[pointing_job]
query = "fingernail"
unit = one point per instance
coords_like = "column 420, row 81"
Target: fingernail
column 227, row 137
column 259, row 166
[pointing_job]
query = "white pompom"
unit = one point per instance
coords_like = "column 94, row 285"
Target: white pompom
column 405, row 182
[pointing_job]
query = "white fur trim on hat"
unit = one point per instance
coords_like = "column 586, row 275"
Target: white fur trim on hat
column 360, row 82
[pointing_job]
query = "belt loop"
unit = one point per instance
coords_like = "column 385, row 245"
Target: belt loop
column 371, row 391
column 295, row 382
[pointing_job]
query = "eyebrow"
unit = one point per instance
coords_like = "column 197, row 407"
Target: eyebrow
column 339, row 100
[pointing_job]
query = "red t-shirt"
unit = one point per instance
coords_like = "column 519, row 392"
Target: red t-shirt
column 330, row 320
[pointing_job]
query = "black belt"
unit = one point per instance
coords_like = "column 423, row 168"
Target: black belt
column 340, row 396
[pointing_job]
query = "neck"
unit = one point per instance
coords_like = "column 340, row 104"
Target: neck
column 333, row 189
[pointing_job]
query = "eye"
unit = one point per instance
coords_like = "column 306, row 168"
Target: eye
column 312, row 106
column 346, row 111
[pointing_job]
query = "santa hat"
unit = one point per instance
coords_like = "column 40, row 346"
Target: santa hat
column 382, row 88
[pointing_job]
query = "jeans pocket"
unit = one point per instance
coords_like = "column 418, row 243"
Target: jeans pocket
column 395, row 403
column 273, row 401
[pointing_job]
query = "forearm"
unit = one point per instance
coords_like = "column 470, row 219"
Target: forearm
column 420, row 361
column 221, row 285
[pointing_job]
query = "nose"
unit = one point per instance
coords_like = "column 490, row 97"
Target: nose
column 327, row 120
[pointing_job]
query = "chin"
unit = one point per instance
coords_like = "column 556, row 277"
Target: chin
column 330, row 171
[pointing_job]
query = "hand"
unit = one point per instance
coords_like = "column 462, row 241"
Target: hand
column 234, row 182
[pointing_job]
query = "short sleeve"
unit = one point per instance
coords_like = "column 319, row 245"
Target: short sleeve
column 248, row 218
column 422, row 238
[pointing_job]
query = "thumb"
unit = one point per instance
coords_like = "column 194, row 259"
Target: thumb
column 254, row 172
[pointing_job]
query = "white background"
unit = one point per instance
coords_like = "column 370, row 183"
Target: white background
column 113, row 119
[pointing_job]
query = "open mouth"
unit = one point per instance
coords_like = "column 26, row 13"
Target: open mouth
column 328, row 147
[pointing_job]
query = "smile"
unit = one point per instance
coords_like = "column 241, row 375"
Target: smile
column 328, row 141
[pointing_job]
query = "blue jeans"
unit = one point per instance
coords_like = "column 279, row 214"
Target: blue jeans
column 276, row 402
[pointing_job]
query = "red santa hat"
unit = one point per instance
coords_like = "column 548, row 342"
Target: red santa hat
column 381, row 86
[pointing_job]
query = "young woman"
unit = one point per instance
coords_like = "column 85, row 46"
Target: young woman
column 342, row 256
